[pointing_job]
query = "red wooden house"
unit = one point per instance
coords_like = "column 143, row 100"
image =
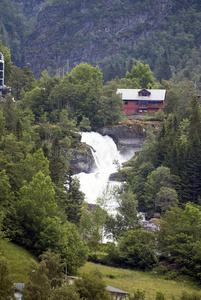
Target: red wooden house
column 142, row 101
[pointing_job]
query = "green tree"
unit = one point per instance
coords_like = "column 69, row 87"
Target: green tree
column 65, row 292
column 165, row 198
column 161, row 177
column 111, row 105
column 32, row 164
column 126, row 217
column 179, row 238
column 163, row 70
column 36, row 204
column 55, row 268
column 74, row 198
column 143, row 74
column 85, row 124
column 79, row 92
column 2, row 124
column 21, row 79
column 138, row 295
column 6, row 283
column 6, row 195
column 38, row 286
column 62, row 238
column 137, row 249
column 190, row 178
column 160, row 295
column 57, row 164
column 91, row 286
column 9, row 113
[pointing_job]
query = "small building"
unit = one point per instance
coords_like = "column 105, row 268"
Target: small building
column 141, row 101
column 1, row 69
column 117, row 294
column 18, row 290
column 3, row 88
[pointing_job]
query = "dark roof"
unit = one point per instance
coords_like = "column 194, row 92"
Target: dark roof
column 115, row 290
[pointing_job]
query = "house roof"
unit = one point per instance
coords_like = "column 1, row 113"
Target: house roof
column 19, row 285
column 112, row 289
column 132, row 94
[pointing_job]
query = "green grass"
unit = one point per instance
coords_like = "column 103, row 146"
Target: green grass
column 130, row 281
column 18, row 260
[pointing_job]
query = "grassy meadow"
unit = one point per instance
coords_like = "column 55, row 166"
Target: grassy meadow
column 18, row 260
column 150, row 282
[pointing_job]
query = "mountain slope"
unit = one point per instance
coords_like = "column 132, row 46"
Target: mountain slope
column 72, row 32
column 63, row 33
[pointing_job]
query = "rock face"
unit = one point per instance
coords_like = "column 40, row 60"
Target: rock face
column 31, row 7
column 125, row 136
column 70, row 32
column 82, row 161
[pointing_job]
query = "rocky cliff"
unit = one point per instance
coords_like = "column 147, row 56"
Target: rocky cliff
column 31, row 7
column 70, row 32
column 82, row 161
column 126, row 136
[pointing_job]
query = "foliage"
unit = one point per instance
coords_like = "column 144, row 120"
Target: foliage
column 149, row 282
column 55, row 268
column 160, row 295
column 91, row 286
column 65, row 292
column 21, row 81
column 157, row 180
column 38, row 285
column 82, row 92
column 143, row 74
column 179, row 238
column 6, row 289
column 126, row 217
column 137, row 249
column 138, row 295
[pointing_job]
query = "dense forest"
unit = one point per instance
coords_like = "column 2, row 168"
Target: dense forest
column 41, row 205
column 57, row 35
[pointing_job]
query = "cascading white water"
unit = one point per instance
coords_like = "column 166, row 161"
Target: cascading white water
column 105, row 153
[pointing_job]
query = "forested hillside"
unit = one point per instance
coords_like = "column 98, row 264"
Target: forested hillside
column 41, row 205
column 60, row 34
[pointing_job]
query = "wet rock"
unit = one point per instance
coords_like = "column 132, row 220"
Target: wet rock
column 82, row 161
column 125, row 136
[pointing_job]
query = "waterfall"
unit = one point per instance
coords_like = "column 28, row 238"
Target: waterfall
column 105, row 153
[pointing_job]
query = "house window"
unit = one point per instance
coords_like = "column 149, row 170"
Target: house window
column 136, row 102
column 144, row 93
column 143, row 103
column 125, row 102
column 153, row 102
column 137, row 111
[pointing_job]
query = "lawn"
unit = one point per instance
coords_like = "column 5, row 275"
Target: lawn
column 18, row 260
column 130, row 281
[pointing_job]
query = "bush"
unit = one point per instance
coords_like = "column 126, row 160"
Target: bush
column 137, row 249
column 160, row 295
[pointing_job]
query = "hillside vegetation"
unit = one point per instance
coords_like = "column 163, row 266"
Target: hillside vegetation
column 60, row 34
column 149, row 282
column 18, row 260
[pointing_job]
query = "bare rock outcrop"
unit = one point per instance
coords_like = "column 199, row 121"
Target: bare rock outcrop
column 82, row 161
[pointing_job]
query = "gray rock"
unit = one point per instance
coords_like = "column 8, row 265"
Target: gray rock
column 82, row 161
column 125, row 136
